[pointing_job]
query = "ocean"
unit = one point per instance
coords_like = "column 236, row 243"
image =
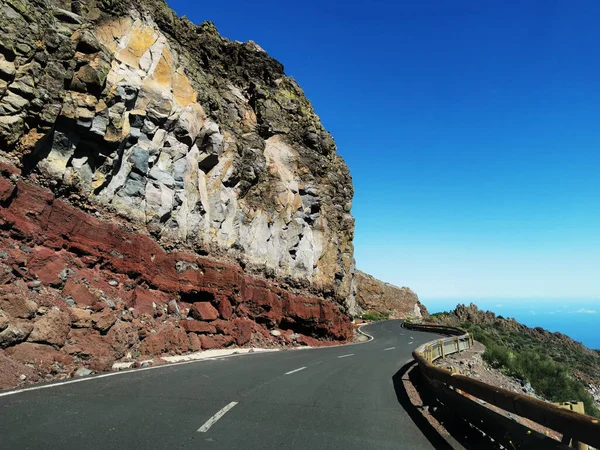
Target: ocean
column 577, row 318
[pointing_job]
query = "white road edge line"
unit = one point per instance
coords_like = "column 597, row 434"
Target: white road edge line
column 295, row 370
column 345, row 356
column 363, row 333
column 121, row 372
column 162, row 366
column 386, row 349
column 210, row 422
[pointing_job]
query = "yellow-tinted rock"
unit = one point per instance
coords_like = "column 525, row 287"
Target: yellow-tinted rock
column 183, row 92
column 141, row 39
column 110, row 32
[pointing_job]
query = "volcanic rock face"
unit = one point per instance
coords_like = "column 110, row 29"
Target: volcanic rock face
column 375, row 295
column 203, row 142
column 77, row 291
column 162, row 190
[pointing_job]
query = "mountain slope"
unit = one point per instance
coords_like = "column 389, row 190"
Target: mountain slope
column 558, row 368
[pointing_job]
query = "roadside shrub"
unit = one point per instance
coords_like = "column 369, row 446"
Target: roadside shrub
column 375, row 316
column 550, row 379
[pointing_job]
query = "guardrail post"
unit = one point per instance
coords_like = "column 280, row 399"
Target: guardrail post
column 441, row 343
column 578, row 407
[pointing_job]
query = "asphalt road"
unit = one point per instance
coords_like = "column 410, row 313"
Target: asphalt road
column 335, row 398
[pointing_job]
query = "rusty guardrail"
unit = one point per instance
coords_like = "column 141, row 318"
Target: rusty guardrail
column 575, row 427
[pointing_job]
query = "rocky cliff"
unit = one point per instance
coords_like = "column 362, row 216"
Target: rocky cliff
column 375, row 295
column 154, row 171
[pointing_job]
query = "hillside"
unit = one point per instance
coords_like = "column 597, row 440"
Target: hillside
column 387, row 300
column 162, row 190
column 558, row 368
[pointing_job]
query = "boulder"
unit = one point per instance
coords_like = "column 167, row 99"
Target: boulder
column 12, row 371
column 224, row 308
column 52, row 328
column 43, row 357
column 194, row 342
column 80, row 318
column 122, row 336
column 204, row 311
column 212, row 342
column 15, row 333
column 167, row 339
column 18, row 306
column 195, row 326
column 104, row 320
column 79, row 293
column 87, row 343
column 242, row 331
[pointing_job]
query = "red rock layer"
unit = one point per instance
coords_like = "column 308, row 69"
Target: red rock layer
column 77, row 291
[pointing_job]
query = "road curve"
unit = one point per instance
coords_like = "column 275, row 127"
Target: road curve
column 335, row 398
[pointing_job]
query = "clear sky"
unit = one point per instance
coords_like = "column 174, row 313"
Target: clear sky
column 471, row 128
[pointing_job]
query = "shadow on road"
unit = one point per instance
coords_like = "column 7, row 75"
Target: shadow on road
column 459, row 433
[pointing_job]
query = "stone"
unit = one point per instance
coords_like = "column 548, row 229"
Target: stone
column 104, row 321
column 212, row 342
column 12, row 103
column 14, row 333
column 7, row 69
column 242, row 331
column 83, row 372
column 51, row 328
column 224, row 308
column 80, row 318
column 122, row 336
column 79, row 293
column 168, row 339
column 275, row 333
column 42, row 357
column 204, row 311
column 99, row 125
column 196, row 326
column 18, row 306
column 173, row 308
column 194, row 342
column 4, row 322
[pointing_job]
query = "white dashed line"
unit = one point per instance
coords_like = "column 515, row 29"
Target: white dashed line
column 386, row 349
column 294, row 371
column 345, row 356
column 210, row 422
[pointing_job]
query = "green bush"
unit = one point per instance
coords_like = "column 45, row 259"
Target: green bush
column 375, row 316
column 550, row 379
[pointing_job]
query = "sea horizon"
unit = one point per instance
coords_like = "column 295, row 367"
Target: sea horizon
column 578, row 318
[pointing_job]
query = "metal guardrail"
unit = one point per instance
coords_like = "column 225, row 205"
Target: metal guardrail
column 574, row 426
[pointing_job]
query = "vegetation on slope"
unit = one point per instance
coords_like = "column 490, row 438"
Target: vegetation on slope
column 375, row 316
column 555, row 365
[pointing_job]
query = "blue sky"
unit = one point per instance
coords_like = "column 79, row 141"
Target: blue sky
column 471, row 130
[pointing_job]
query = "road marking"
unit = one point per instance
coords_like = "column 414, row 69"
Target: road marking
column 294, row 371
column 362, row 332
column 391, row 348
column 124, row 372
column 345, row 356
column 210, row 422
